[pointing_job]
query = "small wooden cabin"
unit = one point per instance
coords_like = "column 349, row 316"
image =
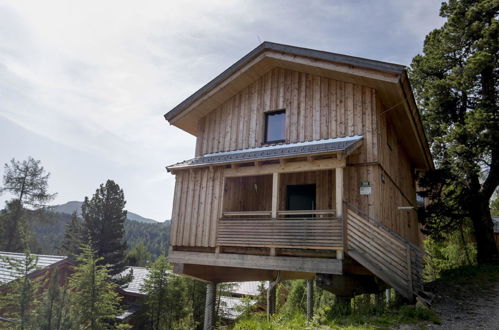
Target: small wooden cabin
column 305, row 166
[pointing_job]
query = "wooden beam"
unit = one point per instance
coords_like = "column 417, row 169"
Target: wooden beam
column 294, row 264
column 339, row 192
column 288, row 167
column 275, row 194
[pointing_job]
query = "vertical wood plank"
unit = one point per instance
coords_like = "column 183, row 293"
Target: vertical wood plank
column 339, row 191
column 275, row 194
column 316, row 105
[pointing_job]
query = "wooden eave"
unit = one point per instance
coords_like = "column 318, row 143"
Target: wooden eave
column 389, row 80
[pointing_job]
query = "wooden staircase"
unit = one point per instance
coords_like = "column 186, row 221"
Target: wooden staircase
column 389, row 256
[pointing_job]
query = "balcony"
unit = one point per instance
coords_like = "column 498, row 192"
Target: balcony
column 303, row 229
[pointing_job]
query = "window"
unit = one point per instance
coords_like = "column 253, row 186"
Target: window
column 275, row 126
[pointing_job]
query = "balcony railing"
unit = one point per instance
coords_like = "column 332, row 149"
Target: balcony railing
column 257, row 229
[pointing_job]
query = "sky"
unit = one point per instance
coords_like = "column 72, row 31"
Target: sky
column 84, row 85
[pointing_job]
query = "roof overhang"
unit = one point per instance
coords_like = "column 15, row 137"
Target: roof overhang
column 345, row 146
column 389, row 80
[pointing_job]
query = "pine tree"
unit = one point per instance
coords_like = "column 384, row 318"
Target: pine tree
column 28, row 183
column 19, row 300
column 53, row 311
column 104, row 217
column 166, row 300
column 455, row 84
column 139, row 255
column 73, row 236
column 94, row 300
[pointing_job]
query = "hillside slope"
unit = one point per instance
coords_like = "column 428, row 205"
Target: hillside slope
column 70, row 207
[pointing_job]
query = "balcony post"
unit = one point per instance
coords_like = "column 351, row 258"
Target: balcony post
column 339, row 192
column 275, row 194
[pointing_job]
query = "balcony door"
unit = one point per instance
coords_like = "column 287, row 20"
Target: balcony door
column 300, row 197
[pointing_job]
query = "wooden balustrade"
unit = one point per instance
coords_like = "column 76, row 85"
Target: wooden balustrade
column 316, row 233
column 389, row 256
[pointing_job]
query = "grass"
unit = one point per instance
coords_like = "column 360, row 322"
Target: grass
column 385, row 319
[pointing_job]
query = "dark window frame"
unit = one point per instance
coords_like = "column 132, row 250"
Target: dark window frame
column 266, row 118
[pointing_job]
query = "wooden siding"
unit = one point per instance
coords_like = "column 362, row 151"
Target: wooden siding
column 248, row 193
column 196, row 207
column 399, row 188
column 316, row 108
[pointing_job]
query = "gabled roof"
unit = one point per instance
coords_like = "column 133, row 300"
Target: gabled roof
column 389, row 80
column 283, row 150
column 292, row 50
column 8, row 274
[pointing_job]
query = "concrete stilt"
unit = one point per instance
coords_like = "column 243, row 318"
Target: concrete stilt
column 310, row 299
column 209, row 311
column 271, row 297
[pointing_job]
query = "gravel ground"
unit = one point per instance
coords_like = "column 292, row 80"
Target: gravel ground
column 469, row 310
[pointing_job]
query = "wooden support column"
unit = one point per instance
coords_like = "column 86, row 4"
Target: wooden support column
column 310, row 299
column 275, row 194
column 209, row 311
column 339, row 191
column 271, row 298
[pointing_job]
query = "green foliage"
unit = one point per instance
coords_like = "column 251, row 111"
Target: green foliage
column 104, row 217
column 166, row 299
column 53, row 310
column 19, row 301
column 28, row 183
column 296, row 301
column 455, row 84
column 153, row 235
column 13, row 227
column 456, row 249
column 494, row 206
column 139, row 255
column 94, row 300
column 73, row 236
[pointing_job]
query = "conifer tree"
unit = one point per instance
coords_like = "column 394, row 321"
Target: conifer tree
column 73, row 236
column 18, row 301
column 139, row 255
column 104, row 217
column 94, row 300
column 53, row 311
column 455, row 81
column 28, row 183
column 166, row 299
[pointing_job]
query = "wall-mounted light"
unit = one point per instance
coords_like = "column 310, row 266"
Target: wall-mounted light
column 405, row 208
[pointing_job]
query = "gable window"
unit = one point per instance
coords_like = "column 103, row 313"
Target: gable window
column 275, row 126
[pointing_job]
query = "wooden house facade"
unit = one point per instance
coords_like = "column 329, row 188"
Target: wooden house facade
column 305, row 166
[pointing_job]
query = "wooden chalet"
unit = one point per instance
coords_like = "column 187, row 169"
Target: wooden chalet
column 305, row 166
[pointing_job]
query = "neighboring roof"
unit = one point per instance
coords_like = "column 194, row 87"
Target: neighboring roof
column 495, row 220
column 140, row 274
column 250, row 288
column 8, row 274
column 292, row 50
column 274, row 151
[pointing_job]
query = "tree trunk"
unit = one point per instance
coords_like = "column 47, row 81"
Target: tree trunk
column 484, row 231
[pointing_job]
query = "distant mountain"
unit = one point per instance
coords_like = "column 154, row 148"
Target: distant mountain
column 70, row 207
